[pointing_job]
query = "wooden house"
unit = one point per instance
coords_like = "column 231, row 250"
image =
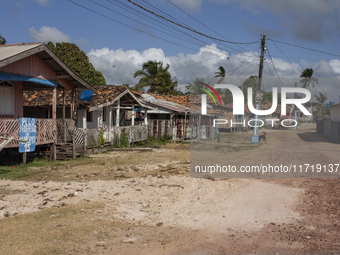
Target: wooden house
column 33, row 66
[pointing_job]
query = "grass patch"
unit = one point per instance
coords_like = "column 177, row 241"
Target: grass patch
column 39, row 169
column 51, row 231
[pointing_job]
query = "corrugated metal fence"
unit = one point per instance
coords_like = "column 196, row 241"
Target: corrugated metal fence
column 329, row 129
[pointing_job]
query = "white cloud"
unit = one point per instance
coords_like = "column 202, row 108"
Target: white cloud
column 46, row 34
column 186, row 68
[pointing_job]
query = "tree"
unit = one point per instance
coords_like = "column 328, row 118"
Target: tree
column 78, row 61
column 220, row 74
column 196, row 87
column 156, row 78
column 2, row 40
column 249, row 82
column 321, row 106
column 307, row 78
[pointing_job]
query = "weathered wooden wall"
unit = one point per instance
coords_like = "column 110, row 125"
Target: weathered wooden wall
column 31, row 66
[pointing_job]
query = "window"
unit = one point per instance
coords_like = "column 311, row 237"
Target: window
column 104, row 113
column 6, row 98
column 89, row 116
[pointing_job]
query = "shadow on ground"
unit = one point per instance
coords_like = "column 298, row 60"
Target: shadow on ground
column 313, row 137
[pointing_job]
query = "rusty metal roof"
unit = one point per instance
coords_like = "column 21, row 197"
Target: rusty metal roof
column 170, row 106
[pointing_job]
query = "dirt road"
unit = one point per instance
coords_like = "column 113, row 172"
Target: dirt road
column 146, row 203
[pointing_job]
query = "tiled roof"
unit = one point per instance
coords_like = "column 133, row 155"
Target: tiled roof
column 43, row 98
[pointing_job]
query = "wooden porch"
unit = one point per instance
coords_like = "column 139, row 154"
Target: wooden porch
column 63, row 139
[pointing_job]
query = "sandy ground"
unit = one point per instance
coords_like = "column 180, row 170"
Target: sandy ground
column 175, row 214
column 170, row 201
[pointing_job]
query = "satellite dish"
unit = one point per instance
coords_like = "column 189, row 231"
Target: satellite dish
column 148, row 98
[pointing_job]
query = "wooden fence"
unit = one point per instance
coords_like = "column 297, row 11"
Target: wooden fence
column 46, row 131
column 135, row 134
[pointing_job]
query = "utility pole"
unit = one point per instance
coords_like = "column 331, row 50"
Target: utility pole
column 255, row 137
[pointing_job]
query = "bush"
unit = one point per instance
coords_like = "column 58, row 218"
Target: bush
column 101, row 139
column 123, row 142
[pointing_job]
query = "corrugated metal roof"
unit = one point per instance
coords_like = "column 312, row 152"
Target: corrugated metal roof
column 11, row 50
column 170, row 105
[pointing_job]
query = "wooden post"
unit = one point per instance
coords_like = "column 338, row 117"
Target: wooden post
column 85, row 120
column 64, row 99
column 199, row 128
column 146, row 117
column 172, row 126
column 133, row 116
column 24, row 158
column 85, row 141
column 54, row 103
column 110, row 123
column 72, row 104
column 74, row 142
column 117, row 113
column 185, row 125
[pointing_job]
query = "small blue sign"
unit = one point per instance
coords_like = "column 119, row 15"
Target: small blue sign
column 28, row 131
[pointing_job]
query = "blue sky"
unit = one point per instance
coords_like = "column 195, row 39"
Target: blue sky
column 309, row 23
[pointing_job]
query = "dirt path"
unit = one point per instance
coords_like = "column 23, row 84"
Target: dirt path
column 153, row 207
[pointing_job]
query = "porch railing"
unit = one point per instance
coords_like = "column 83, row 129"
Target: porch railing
column 135, row 134
column 46, row 131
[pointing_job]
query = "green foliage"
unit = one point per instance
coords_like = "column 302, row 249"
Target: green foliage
column 195, row 87
column 156, row 77
column 78, row 61
column 307, row 78
column 220, row 74
column 122, row 141
column 101, row 139
column 93, row 144
column 2, row 40
column 166, row 137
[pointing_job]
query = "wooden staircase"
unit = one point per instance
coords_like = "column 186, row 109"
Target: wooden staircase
column 70, row 141
column 64, row 151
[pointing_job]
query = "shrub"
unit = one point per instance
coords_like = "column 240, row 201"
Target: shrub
column 123, row 142
column 101, row 139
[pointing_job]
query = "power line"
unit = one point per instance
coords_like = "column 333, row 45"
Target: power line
column 286, row 57
column 274, row 66
column 185, row 27
column 290, row 44
column 84, row 7
column 198, row 21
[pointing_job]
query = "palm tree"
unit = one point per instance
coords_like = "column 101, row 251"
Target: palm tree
column 307, row 78
column 321, row 106
column 2, row 40
column 220, row 74
column 153, row 76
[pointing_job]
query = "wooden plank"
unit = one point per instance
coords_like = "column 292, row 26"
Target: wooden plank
column 54, row 103
column 65, row 83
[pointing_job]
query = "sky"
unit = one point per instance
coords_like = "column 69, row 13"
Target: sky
column 118, row 41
